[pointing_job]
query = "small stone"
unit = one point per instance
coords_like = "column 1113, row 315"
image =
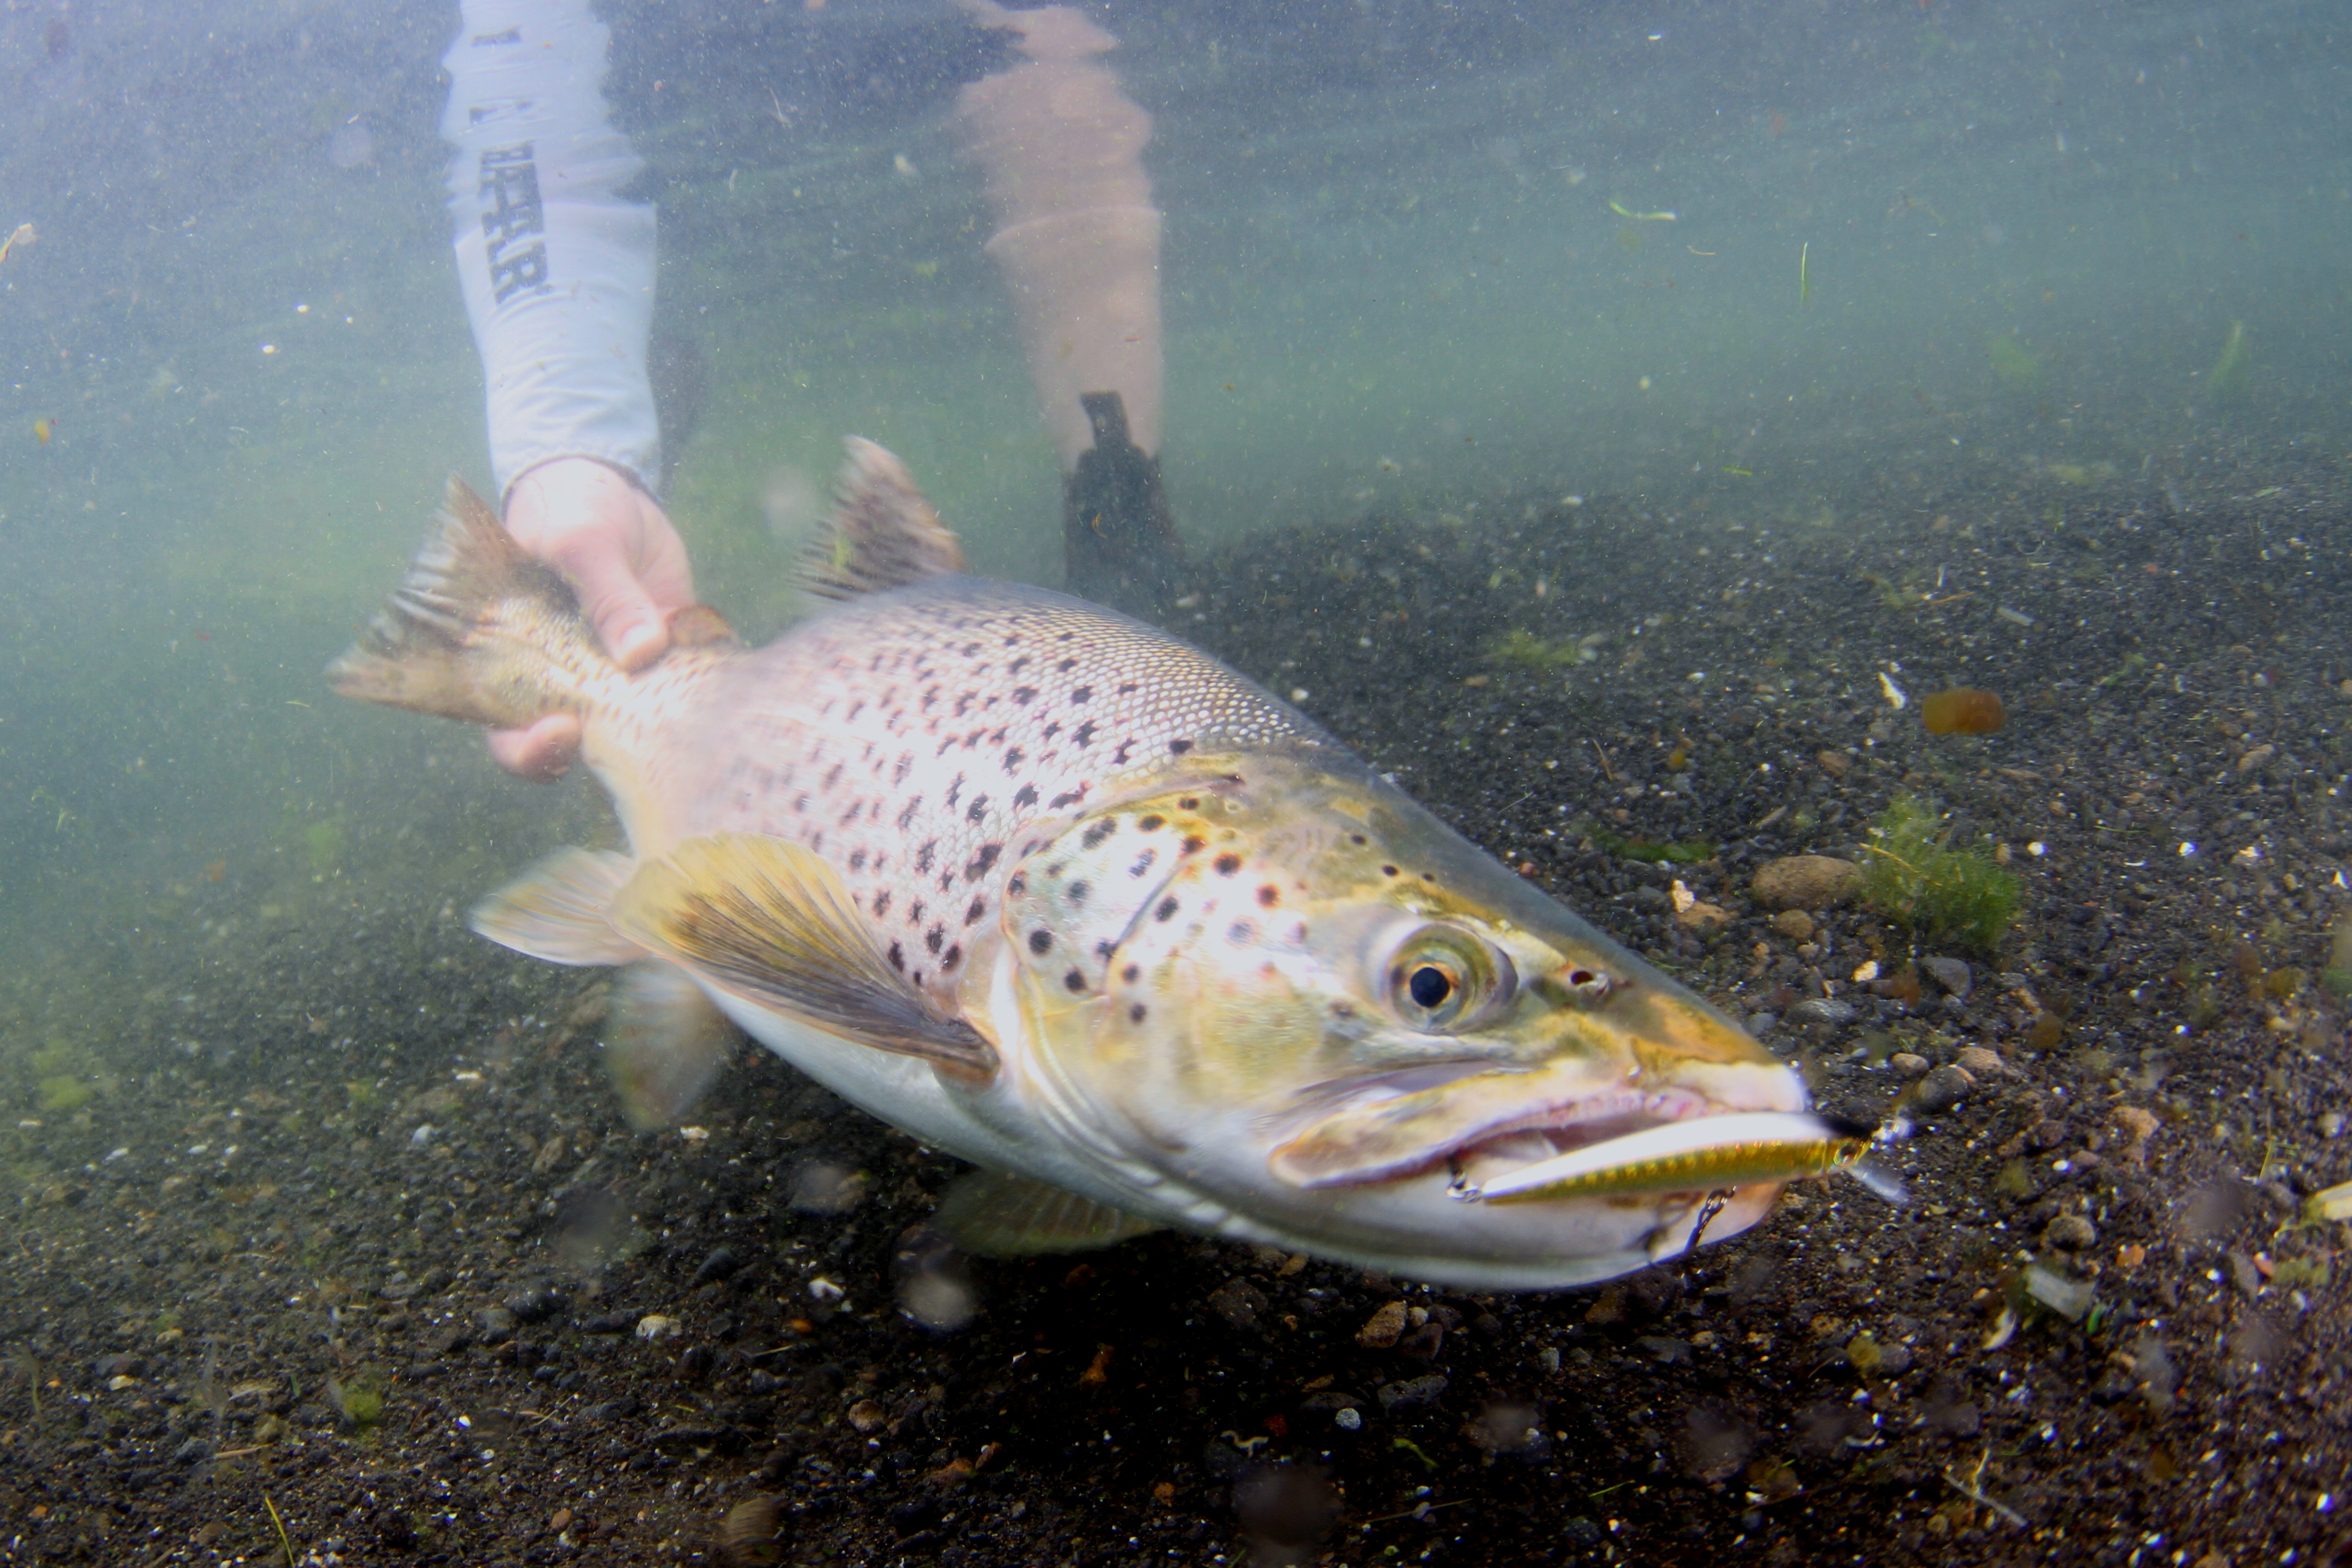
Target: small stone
column 1981, row 1062
column 496, row 1322
column 2070, row 1232
column 1826, row 1010
column 720, row 1265
column 656, row 1326
column 1806, row 882
column 1383, row 1328
column 1952, row 973
column 534, row 1306
column 2260, row 757
column 1347, row 1418
column 1238, row 1302
column 1834, row 764
column 1794, row 924
column 2138, row 1125
column 2046, row 1136
column 1944, row 1088
column 1907, row 1064
column 195, row 1450
column 1413, row 1391
column 867, row 1416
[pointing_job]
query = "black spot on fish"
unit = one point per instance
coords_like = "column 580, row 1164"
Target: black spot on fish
column 1228, row 864
column 1268, row 896
column 1024, row 797
column 950, row 958
column 1103, row 950
column 908, row 816
column 926, row 855
column 1040, row 940
column 982, row 861
column 1101, row 828
column 1077, row 893
column 978, row 908
column 882, row 903
column 1190, row 803
column 1083, row 694
column 1015, row 667
column 1179, row 748
column 800, row 802
column 915, row 913
column 1067, row 798
column 1084, row 735
column 978, row 809
column 954, row 790
column 965, row 702
column 1131, row 974
column 854, row 710
column 1066, row 666
column 897, row 958
column 934, row 937
column 906, row 765
column 1387, row 871
column 1194, row 844
column 1075, row 982
column 1020, row 882
column 1024, row 694
column 857, row 859
column 1013, row 759
column 1052, row 728
column 1152, row 824
column 1126, row 749
column 1241, row 933
column 1125, row 686
column 1135, row 1015
column 832, row 776
column 1167, row 909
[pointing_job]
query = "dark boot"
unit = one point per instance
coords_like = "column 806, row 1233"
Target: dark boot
column 1118, row 538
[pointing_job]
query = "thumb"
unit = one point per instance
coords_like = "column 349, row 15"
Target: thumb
column 631, row 629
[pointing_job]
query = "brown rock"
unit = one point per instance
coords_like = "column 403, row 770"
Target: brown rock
column 1794, row 924
column 1806, row 882
column 1383, row 1328
column 1834, row 764
column 2070, row 1232
column 1944, row 1088
column 1982, row 1062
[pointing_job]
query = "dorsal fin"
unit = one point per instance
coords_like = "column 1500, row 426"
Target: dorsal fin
column 883, row 533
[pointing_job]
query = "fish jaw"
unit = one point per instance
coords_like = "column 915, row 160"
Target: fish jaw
column 1225, row 1025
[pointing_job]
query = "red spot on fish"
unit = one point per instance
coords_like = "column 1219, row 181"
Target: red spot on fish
column 203, row 637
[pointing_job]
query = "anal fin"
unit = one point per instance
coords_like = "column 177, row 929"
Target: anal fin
column 770, row 923
column 997, row 1214
column 561, row 909
column 666, row 1044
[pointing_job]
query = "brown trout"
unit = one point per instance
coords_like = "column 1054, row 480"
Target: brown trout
column 1052, row 890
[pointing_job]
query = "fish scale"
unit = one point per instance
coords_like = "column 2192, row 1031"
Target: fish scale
column 919, row 739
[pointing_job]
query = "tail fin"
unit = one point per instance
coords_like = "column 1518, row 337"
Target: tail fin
column 478, row 630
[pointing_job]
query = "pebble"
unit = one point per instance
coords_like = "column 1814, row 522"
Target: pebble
column 2070, row 1232
column 656, row 1326
column 1944, row 1087
column 1413, row 1391
column 1981, row 1062
column 1907, row 1064
column 1952, row 973
column 1383, row 1328
column 534, row 1306
column 496, row 1322
column 1794, row 924
column 1238, row 1302
column 867, row 1416
column 1347, row 1418
column 1824, row 1010
column 1806, row 882
column 720, row 1265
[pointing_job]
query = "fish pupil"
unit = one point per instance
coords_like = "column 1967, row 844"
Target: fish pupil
column 1429, row 986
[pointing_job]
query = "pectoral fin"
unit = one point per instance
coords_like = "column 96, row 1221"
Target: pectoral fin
column 666, row 1044
column 770, row 923
column 561, row 909
column 999, row 1215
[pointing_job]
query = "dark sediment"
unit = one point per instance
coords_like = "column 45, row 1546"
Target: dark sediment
column 526, row 1335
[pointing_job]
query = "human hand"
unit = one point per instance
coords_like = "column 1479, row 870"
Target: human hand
column 614, row 545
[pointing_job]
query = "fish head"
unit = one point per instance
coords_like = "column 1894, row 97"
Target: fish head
column 1286, row 991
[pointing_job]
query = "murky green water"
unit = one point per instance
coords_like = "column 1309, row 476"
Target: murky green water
column 1413, row 255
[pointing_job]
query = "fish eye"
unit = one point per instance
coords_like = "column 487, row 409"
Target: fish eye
column 1441, row 977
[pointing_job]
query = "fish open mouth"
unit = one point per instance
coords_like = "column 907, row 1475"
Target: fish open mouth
column 1384, row 1138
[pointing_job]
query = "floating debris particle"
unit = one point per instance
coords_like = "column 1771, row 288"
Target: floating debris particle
column 1961, row 711
column 2015, row 617
column 1896, row 698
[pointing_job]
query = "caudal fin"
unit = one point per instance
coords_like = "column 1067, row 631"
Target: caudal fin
column 478, row 630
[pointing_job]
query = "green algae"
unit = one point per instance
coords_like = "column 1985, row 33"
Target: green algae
column 1914, row 877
